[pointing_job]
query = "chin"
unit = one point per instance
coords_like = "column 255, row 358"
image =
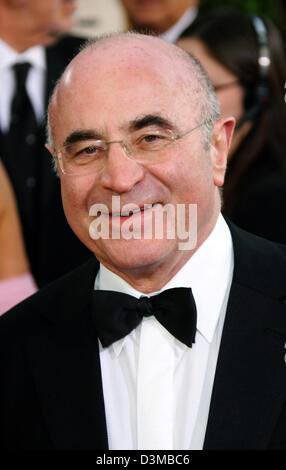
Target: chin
column 134, row 254
column 50, row 39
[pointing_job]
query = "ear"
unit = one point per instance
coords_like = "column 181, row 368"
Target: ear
column 220, row 144
column 50, row 149
column 55, row 160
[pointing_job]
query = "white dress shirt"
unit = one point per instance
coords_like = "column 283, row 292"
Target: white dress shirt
column 35, row 84
column 172, row 34
column 157, row 390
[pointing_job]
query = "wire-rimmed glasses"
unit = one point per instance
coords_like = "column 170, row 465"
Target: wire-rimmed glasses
column 86, row 156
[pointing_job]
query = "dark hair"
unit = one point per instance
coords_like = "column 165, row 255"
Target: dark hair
column 231, row 39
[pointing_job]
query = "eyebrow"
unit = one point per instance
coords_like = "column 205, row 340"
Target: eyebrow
column 136, row 124
column 80, row 135
column 150, row 120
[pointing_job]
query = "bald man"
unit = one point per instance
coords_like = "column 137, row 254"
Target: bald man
column 173, row 336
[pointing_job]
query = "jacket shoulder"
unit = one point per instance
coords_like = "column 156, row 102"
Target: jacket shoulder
column 258, row 262
column 66, row 48
column 66, row 293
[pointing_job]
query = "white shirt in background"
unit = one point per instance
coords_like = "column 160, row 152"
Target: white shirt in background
column 35, row 84
column 176, row 30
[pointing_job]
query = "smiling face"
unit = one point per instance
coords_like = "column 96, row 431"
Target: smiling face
column 113, row 92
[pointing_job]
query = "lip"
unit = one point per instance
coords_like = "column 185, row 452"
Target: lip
column 136, row 215
column 133, row 211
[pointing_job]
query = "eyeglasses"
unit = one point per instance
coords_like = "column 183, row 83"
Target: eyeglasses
column 88, row 156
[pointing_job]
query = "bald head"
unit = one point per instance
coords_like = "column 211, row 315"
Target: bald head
column 105, row 59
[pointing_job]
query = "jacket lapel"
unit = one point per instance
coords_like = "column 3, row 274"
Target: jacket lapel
column 66, row 367
column 250, row 380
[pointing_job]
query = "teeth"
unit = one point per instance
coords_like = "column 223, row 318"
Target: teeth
column 126, row 214
column 135, row 211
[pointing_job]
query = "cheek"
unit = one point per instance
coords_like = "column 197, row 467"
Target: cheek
column 75, row 195
column 192, row 177
column 76, row 198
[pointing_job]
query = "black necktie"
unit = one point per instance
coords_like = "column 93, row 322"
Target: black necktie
column 115, row 314
column 23, row 124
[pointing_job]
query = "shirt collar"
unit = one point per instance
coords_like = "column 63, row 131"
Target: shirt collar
column 208, row 272
column 172, row 34
column 34, row 55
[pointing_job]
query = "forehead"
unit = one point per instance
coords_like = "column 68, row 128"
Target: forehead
column 115, row 83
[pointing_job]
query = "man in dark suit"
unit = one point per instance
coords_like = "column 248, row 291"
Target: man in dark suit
column 170, row 339
column 34, row 33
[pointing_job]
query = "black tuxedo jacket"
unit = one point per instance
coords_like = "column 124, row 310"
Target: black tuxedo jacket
column 51, row 391
column 52, row 247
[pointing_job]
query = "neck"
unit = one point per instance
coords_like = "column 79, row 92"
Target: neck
column 151, row 278
column 14, row 44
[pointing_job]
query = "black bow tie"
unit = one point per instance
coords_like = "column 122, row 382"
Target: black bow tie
column 115, row 314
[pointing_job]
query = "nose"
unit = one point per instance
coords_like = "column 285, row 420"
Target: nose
column 120, row 172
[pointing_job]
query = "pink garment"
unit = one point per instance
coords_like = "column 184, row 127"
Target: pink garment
column 15, row 289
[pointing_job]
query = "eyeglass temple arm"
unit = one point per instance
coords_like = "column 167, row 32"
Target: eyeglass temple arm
column 206, row 121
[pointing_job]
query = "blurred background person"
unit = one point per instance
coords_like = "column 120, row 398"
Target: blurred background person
column 167, row 18
column 96, row 17
column 16, row 281
column 245, row 60
column 34, row 50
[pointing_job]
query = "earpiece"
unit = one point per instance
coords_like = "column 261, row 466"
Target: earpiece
column 259, row 96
